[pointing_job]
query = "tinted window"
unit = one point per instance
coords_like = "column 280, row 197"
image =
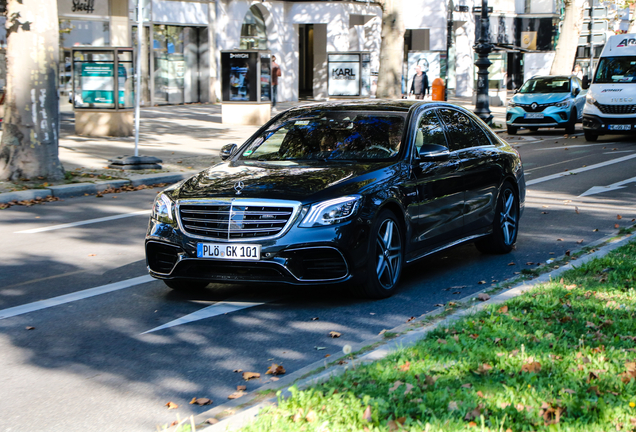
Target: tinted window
column 329, row 135
column 546, row 85
column 616, row 70
column 429, row 131
column 462, row 131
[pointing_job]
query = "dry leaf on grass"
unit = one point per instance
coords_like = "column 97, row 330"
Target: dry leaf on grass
column 366, row 416
column 531, row 367
column 311, row 416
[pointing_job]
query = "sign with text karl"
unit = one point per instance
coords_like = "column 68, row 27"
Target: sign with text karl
column 344, row 78
column 89, row 8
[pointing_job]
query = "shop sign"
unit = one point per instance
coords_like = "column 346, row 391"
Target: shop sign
column 83, row 7
column 344, row 78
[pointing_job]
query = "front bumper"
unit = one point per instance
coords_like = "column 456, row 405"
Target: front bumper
column 553, row 116
column 609, row 125
column 311, row 256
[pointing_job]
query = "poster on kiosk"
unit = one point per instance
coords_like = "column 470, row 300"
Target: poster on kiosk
column 245, row 76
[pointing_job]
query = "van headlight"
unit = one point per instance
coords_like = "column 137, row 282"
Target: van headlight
column 590, row 99
column 331, row 212
column 563, row 104
column 163, row 209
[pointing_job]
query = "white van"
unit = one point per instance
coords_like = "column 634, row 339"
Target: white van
column 610, row 104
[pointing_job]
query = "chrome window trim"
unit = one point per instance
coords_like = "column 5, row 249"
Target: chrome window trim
column 296, row 207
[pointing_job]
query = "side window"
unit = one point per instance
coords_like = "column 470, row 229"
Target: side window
column 429, row 131
column 463, row 132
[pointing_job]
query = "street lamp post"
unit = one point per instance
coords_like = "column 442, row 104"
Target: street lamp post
column 483, row 48
column 449, row 42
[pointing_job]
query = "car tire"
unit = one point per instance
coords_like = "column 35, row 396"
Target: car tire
column 571, row 124
column 386, row 258
column 589, row 136
column 185, row 285
column 511, row 130
column 505, row 225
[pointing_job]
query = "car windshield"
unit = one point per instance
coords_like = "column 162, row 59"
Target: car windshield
column 546, row 85
column 329, row 135
column 616, row 70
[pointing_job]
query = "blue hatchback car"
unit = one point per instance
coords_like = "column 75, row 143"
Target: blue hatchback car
column 546, row 101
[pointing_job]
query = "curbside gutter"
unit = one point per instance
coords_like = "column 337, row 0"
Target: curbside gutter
column 81, row 189
column 240, row 412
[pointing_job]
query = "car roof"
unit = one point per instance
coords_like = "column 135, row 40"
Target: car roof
column 399, row 105
column 551, row 76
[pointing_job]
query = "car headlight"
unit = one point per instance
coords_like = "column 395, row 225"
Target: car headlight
column 590, row 99
column 331, row 212
column 162, row 209
column 563, row 104
column 512, row 104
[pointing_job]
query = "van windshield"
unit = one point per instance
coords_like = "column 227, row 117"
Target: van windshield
column 612, row 70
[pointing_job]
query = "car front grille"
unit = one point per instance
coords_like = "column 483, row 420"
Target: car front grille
column 616, row 109
column 231, row 220
column 529, row 108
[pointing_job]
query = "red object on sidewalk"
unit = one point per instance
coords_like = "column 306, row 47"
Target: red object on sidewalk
column 437, row 92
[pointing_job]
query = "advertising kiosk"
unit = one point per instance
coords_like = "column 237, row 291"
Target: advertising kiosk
column 246, row 87
column 103, row 91
column 349, row 74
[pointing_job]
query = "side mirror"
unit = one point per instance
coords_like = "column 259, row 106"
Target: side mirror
column 433, row 153
column 516, row 91
column 228, row 150
column 586, row 82
column 576, row 91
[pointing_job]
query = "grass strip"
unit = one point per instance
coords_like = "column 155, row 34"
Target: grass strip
column 561, row 357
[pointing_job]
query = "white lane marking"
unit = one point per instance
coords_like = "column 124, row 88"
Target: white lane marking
column 619, row 151
column 600, row 189
column 578, row 170
column 67, row 298
column 570, row 146
column 85, row 222
column 219, row 308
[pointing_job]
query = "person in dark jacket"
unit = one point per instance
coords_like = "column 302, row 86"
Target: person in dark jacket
column 419, row 85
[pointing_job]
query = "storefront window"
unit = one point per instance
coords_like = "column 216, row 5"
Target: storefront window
column 75, row 33
column 253, row 31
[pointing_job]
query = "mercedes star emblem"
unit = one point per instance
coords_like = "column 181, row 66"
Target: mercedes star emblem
column 238, row 187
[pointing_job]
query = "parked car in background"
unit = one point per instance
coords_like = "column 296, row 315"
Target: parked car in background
column 340, row 192
column 546, row 101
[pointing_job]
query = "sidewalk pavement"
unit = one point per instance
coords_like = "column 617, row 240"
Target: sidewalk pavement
column 187, row 138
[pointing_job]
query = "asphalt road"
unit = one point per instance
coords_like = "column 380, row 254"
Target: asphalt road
column 89, row 342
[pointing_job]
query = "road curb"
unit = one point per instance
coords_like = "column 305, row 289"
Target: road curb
column 81, row 189
column 243, row 411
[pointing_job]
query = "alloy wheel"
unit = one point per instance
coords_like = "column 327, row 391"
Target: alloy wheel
column 509, row 217
column 388, row 254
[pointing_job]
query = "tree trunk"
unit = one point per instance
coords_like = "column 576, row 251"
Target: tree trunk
column 29, row 147
column 568, row 39
column 391, row 51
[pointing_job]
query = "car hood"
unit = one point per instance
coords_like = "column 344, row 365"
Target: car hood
column 306, row 182
column 540, row 98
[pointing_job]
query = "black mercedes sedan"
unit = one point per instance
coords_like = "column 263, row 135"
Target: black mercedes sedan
column 340, row 192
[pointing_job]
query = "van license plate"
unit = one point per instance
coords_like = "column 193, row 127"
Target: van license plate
column 533, row 115
column 620, row 127
column 229, row 251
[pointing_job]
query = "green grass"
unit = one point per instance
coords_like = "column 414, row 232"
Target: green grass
column 562, row 357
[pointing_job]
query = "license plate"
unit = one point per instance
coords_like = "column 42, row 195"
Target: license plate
column 229, row 251
column 620, row 127
column 533, row 115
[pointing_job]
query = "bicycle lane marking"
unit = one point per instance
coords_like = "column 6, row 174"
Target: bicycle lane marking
column 579, row 170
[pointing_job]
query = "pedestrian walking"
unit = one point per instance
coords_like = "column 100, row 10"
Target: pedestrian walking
column 419, row 85
column 275, row 74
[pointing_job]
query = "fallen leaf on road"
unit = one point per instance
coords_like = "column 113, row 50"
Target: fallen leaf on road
column 410, row 319
column 241, row 388
column 275, row 378
column 236, row 395
column 172, row 405
column 481, row 282
column 200, row 401
column 580, row 241
column 567, row 252
column 30, row 328
column 511, row 264
column 483, row 297
column 559, row 239
column 320, row 348
column 275, row 369
column 617, row 226
column 384, row 330
column 439, row 305
column 211, row 421
column 315, row 319
column 576, row 210
column 238, row 370
column 250, row 375
column 91, row 254
column 595, row 230
column 334, row 334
